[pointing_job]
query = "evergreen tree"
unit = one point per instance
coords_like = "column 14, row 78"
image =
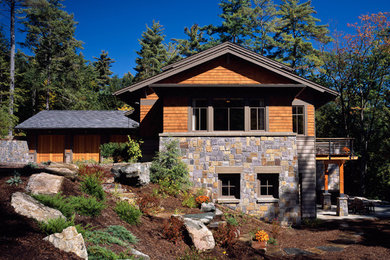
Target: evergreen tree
column 236, row 23
column 153, row 54
column 102, row 66
column 193, row 44
column 50, row 35
column 5, row 119
column 296, row 29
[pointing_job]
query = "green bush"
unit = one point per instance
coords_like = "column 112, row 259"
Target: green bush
column 93, row 186
column 128, row 213
column 112, row 235
column 189, row 200
column 15, row 180
column 168, row 167
column 128, row 152
column 57, row 201
column 98, row 252
column 55, row 225
column 122, row 233
column 87, row 206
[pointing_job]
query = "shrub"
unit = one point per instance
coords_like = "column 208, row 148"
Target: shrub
column 122, row 233
column 87, row 206
column 226, row 235
column 98, row 252
column 15, row 180
column 189, row 200
column 57, row 201
column 55, row 225
column 128, row 152
column 93, row 186
column 147, row 203
column 171, row 187
column 94, row 170
column 173, row 229
column 127, row 212
column 99, row 237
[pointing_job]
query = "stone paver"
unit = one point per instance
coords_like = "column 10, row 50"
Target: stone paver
column 330, row 248
column 296, row 251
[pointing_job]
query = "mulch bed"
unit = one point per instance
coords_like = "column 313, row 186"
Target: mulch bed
column 20, row 238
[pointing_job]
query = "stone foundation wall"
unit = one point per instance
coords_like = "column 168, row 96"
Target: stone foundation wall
column 207, row 156
column 14, row 151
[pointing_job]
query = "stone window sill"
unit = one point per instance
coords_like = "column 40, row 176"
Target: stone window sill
column 228, row 200
column 267, row 200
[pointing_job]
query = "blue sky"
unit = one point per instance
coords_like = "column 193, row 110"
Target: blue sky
column 116, row 25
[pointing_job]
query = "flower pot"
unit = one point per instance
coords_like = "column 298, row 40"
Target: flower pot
column 259, row 245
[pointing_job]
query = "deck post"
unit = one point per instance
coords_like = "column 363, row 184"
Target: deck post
column 341, row 177
column 326, row 201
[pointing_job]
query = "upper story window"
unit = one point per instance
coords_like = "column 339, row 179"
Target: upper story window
column 199, row 114
column 257, row 114
column 298, row 113
column 229, row 114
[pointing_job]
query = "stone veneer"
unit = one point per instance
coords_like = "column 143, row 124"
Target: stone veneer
column 208, row 154
column 14, row 151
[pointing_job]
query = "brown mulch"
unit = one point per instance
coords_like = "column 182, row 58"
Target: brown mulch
column 20, row 238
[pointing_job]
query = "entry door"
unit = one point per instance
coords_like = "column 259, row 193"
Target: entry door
column 86, row 147
column 51, row 148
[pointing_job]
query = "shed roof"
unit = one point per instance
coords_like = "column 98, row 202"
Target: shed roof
column 79, row 119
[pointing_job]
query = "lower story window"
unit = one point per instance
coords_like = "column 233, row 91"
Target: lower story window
column 229, row 185
column 268, row 185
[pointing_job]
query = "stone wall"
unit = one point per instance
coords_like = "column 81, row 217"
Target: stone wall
column 14, row 151
column 207, row 156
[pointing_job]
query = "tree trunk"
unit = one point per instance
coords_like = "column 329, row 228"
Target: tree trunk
column 12, row 66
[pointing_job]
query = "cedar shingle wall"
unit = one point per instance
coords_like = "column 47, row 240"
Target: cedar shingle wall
column 280, row 118
column 227, row 70
column 175, row 114
column 310, row 120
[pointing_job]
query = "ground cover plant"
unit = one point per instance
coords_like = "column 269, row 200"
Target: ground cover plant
column 127, row 212
column 93, row 186
column 56, row 225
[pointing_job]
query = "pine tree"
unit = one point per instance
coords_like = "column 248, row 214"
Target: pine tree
column 193, row 44
column 50, row 35
column 153, row 54
column 236, row 23
column 102, row 66
column 296, row 29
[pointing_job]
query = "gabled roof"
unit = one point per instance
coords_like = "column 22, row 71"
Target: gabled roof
column 79, row 119
column 217, row 51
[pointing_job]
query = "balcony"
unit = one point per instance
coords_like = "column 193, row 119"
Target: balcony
column 335, row 149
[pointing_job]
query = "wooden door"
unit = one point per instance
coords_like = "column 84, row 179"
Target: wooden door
column 86, row 147
column 51, row 148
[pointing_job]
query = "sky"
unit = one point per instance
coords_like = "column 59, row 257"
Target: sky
column 116, row 25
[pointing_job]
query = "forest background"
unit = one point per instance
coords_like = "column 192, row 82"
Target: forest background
column 54, row 74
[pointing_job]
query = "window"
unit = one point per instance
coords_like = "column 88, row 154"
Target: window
column 199, row 114
column 228, row 114
column 257, row 114
column 229, row 185
column 268, row 185
column 298, row 119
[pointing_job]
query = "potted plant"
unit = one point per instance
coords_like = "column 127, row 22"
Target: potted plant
column 261, row 239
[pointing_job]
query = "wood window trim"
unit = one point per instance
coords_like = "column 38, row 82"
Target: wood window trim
column 210, row 117
column 265, row 198
column 298, row 102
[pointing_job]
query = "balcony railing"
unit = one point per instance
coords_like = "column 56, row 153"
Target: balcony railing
column 334, row 147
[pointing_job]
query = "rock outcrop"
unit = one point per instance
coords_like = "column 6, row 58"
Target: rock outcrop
column 135, row 174
column 201, row 236
column 29, row 207
column 44, row 183
column 69, row 240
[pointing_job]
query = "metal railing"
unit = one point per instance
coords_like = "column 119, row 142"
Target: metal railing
column 334, row 147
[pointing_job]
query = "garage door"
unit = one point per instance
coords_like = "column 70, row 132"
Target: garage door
column 50, row 148
column 86, row 147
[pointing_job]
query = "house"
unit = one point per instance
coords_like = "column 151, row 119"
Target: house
column 70, row 135
column 245, row 125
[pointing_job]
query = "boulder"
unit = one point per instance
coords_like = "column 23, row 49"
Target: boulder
column 200, row 235
column 44, row 183
column 69, row 240
column 29, row 207
column 63, row 169
column 207, row 207
column 135, row 174
column 138, row 255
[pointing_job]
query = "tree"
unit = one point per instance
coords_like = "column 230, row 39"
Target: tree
column 193, row 44
column 50, row 35
column 102, row 66
column 5, row 118
column 296, row 28
column 358, row 67
column 236, row 24
column 153, row 54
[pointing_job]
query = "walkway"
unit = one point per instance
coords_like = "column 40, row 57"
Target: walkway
column 381, row 212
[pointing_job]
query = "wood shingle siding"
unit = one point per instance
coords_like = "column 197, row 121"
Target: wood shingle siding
column 280, row 118
column 310, row 120
column 175, row 114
